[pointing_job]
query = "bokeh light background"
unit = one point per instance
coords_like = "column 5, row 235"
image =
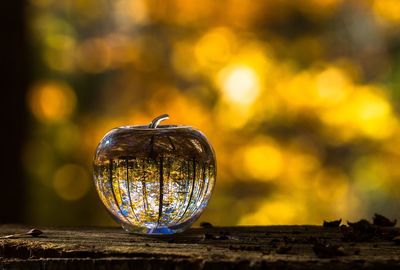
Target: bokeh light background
column 299, row 99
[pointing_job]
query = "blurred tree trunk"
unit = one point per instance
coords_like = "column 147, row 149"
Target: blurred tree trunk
column 13, row 84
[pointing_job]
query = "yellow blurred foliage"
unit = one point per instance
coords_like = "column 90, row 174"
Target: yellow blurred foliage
column 366, row 112
column 387, row 9
column 278, row 211
column 71, row 182
column 263, row 160
column 240, row 84
column 298, row 98
column 93, row 55
column 215, row 47
column 51, row 101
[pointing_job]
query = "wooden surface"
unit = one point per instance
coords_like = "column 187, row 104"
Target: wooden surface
column 274, row 247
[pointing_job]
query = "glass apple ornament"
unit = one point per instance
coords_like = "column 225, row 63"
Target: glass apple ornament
column 155, row 179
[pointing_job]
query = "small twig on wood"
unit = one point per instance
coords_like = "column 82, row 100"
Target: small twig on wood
column 33, row 232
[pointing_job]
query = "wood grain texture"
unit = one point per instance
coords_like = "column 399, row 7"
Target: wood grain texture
column 272, row 247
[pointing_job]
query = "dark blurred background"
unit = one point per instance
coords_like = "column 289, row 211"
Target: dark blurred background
column 299, row 99
column 15, row 77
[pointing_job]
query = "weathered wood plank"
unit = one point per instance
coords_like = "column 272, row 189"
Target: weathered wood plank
column 272, row 247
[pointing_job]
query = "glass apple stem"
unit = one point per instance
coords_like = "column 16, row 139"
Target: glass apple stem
column 156, row 121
